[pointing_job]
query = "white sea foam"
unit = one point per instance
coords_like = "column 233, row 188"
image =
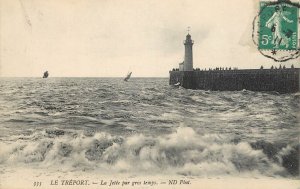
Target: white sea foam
column 181, row 152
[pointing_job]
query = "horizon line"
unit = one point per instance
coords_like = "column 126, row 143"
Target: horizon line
column 80, row 77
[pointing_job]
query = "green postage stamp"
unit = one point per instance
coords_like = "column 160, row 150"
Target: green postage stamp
column 276, row 30
column 278, row 26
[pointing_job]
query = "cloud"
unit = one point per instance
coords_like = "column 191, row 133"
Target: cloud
column 104, row 38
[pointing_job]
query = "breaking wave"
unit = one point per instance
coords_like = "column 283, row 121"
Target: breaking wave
column 146, row 126
column 183, row 152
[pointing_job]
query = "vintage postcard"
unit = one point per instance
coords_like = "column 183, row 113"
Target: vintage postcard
column 124, row 94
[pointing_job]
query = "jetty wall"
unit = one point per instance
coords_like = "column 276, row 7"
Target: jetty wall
column 281, row 80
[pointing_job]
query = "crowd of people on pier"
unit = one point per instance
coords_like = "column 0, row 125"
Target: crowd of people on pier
column 280, row 67
column 235, row 68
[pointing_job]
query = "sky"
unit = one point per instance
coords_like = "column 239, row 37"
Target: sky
column 108, row 38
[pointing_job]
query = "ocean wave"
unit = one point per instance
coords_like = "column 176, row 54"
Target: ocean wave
column 183, row 152
column 145, row 125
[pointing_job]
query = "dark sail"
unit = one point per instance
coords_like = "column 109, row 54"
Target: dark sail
column 128, row 76
column 46, row 74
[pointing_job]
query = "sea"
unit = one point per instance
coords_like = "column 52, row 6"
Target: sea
column 145, row 126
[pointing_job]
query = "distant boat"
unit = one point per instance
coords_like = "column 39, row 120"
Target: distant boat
column 128, row 76
column 46, row 74
column 177, row 84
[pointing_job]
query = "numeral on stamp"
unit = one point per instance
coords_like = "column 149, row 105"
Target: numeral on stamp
column 265, row 39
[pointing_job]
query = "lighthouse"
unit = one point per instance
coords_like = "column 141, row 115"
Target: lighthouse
column 188, row 53
column 282, row 80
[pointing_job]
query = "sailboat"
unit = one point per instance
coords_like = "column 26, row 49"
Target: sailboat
column 128, row 76
column 46, row 74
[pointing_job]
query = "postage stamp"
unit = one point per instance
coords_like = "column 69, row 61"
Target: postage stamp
column 276, row 30
column 278, row 26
